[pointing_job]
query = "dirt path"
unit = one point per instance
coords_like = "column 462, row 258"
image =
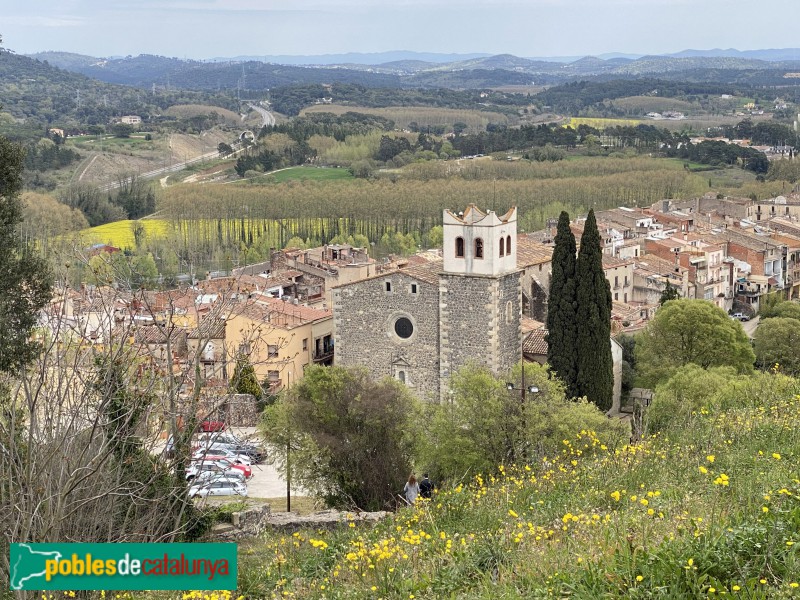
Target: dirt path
column 91, row 162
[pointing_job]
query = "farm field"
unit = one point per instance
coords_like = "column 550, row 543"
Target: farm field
column 646, row 104
column 422, row 115
column 120, row 233
column 600, row 123
column 302, row 174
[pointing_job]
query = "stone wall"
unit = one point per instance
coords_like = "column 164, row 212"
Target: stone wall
column 364, row 320
column 480, row 322
column 254, row 521
column 241, row 410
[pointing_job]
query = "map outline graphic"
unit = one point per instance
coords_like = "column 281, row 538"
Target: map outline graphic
column 14, row 575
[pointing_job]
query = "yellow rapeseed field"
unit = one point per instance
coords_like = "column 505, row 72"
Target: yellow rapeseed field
column 600, row 123
column 120, row 233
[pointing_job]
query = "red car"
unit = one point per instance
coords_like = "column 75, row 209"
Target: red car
column 228, row 463
column 209, row 426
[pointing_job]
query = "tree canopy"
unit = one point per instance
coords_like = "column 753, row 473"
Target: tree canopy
column 691, row 332
column 595, row 378
column 484, row 425
column 25, row 285
column 352, row 437
column 776, row 343
column 561, row 310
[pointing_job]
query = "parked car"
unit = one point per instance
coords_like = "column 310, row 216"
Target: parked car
column 254, row 453
column 223, row 461
column 204, row 469
column 220, row 437
column 241, row 459
column 740, row 316
column 210, row 425
column 221, row 486
column 223, row 473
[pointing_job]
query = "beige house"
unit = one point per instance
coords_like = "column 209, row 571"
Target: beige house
column 619, row 274
column 280, row 338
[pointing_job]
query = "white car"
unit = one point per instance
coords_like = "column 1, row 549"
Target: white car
column 221, row 486
column 217, row 437
column 211, row 469
column 217, row 450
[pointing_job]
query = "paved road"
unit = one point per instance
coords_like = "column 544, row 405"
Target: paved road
column 267, row 118
column 750, row 326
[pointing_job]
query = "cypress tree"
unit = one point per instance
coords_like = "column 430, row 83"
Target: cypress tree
column 595, row 365
column 561, row 309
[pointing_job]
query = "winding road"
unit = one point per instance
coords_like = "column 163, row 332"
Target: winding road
column 267, row 118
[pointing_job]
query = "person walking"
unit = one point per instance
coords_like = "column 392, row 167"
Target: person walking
column 411, row 489
column 425, row 487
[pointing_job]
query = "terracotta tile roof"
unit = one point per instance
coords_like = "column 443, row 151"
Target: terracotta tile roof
column 231, row 285
column 210, row 328
column 427, row 272
column 276, row 312
column 527, row 324
column 530, row 252
column 535, row 343
column 155, row 334
column 610, row 262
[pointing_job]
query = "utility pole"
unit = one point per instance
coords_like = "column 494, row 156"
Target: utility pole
column 288, row 452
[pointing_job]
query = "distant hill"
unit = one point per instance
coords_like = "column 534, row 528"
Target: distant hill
column 66, row 60
column 791, row 54
column 37, row 95
column 355, row 58
column 408, row 69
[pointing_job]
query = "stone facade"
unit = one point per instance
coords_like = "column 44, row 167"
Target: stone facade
column 422, row 323
column 365, row 318
column 480, row 322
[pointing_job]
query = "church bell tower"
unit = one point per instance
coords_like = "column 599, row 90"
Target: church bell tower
column 479, row 292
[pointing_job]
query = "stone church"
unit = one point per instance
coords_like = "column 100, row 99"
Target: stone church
column 422, row 323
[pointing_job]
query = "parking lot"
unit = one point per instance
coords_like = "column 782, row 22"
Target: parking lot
column 266, row 482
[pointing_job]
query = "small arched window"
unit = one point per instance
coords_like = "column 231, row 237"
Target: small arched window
column 478, row 248
column 508, row 244
column 459, row 247
column 401, row 375
column 502, row 248
column 509, row 312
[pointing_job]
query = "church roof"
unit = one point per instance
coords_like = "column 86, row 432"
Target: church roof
column 530, row 252
column 428, row 272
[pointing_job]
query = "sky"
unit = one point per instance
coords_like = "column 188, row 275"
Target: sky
column 201, row 29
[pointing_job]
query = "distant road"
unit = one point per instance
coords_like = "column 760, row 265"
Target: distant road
column 267, row 118
column 180, row 166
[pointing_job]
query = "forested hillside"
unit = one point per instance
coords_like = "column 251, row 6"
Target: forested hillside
column 37, row 96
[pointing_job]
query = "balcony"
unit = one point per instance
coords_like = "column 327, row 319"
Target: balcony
column 322, row 356
column 274, row 386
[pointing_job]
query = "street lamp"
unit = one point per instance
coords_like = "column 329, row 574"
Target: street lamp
column 531, row 389
column 522, row 389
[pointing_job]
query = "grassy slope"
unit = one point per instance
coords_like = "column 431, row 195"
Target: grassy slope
column 711, row 506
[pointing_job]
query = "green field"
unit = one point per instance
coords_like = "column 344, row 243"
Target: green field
column 312, row 174
column 422, row 115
